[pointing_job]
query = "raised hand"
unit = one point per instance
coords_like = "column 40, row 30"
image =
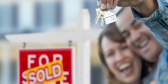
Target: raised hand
column 111, row 4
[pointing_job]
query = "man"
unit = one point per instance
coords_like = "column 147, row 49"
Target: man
column 139, row 38
column 154, row 14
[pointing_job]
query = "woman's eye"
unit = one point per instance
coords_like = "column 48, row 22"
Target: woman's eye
column 110, row 54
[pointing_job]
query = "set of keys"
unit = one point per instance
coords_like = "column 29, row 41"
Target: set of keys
column 106, row 15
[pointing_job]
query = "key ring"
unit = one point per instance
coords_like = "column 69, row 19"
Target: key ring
column 24, row 45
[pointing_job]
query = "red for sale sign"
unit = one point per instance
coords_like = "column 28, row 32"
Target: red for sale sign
column 46, row 66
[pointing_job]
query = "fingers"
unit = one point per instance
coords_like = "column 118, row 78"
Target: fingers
column 109, row 4
column 103, row 4
column 115, row 4
column 98, row 3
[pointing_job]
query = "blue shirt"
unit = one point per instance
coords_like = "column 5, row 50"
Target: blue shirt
column 158, row 24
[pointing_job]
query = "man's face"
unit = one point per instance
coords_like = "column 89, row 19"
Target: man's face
column 138, row 36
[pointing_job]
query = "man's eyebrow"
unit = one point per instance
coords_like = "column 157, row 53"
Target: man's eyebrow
column 133, row 22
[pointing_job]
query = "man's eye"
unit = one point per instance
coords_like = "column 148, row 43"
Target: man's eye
column 138, row 26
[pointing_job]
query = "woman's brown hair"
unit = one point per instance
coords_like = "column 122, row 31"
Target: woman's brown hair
column 113, row 34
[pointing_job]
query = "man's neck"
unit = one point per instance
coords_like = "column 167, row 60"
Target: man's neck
column 146, row 7
column 159, row 52
column 137, row 82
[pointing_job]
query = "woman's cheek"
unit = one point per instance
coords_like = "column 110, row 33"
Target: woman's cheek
column 111, row 64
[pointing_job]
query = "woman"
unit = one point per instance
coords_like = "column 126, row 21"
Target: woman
column 120, row 64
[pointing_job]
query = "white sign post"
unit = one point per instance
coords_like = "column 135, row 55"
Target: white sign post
column 82, row 35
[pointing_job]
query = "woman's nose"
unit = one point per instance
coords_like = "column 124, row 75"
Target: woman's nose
column 119, row 56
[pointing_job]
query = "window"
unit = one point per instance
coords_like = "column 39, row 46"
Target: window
column 13, row 72
column 5, row 17
column 14, row 16
column 48, row 14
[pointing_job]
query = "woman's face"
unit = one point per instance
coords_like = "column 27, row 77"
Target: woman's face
column 120, row 60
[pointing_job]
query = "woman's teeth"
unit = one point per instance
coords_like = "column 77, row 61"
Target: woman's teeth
column 124, row 66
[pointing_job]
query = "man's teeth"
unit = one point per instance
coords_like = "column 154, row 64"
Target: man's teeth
column 143, row 43
column 124, row 66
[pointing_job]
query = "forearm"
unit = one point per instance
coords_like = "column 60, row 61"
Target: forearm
column 146, row 7
column 157, row 22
